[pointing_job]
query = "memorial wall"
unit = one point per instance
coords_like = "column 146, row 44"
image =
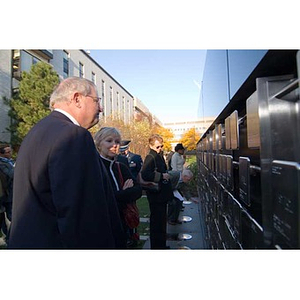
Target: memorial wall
column 249, row 158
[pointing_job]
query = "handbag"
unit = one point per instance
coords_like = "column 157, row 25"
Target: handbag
column 153, row 187
column 148, row 185
column 131, row 215
column 130, row 211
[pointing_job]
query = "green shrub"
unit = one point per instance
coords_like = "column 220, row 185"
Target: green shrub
column 193, row 166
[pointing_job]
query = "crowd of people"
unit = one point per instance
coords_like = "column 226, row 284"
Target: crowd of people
column 69, row 190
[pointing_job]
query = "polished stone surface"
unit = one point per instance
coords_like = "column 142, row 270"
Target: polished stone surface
column 190, row 234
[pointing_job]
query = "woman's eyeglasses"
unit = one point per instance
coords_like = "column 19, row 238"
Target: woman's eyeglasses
column 158, row 147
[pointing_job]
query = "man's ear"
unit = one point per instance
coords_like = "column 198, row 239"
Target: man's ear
column 77, row 99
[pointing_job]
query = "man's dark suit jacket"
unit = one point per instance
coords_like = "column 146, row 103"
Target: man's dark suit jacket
column 135, row 163
column 62, row 197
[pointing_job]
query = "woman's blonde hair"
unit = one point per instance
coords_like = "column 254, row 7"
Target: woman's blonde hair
column 103, row 133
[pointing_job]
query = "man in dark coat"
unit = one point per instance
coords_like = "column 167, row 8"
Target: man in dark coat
column 135, row 161
column 61, row 196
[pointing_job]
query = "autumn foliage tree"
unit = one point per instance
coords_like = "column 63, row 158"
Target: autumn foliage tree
column 138, row 132
column 190, row 139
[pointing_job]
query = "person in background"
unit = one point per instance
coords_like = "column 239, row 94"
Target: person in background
column 154, row 169
column 178, row 158
column 62, row 198
column 6, row 177
column 122, row 159
column 168, row 159
column 135, row 160
column 180, row 190
column 178, row 161
column 125, row 187
column 135, row 163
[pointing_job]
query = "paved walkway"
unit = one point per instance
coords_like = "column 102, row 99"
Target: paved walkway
column 189, row 234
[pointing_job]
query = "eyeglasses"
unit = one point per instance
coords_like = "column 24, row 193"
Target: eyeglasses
column 161, row 146
column 95, row 99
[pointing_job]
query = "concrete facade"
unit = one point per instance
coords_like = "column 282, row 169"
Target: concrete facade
column 5, row 91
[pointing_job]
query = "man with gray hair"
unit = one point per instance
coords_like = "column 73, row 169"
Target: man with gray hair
column 61, row 196
column 178, row 180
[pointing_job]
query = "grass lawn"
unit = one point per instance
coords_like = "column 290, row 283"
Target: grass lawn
column 144, row 227
column 143, row 206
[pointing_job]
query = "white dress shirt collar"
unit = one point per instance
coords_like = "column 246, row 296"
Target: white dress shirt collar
column 67, row 115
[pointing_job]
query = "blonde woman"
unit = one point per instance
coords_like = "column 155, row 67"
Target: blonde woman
column 125, row 187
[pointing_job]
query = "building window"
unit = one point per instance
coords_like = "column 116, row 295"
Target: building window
column 111, row 99
column 128, row 117
column 103, row 90
column 65, row 64
column 94, row 77
column 81, row 70
column 16, row 65
column 123, row 108
column 103, row 96
column 118, row 104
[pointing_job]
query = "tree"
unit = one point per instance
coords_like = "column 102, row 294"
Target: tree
column 190, row 139
column 31, row 103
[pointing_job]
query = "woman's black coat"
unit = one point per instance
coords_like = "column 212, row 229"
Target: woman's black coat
column 153, row 168
column 122, row 196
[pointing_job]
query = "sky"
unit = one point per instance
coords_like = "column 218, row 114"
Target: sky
column 166, row 81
